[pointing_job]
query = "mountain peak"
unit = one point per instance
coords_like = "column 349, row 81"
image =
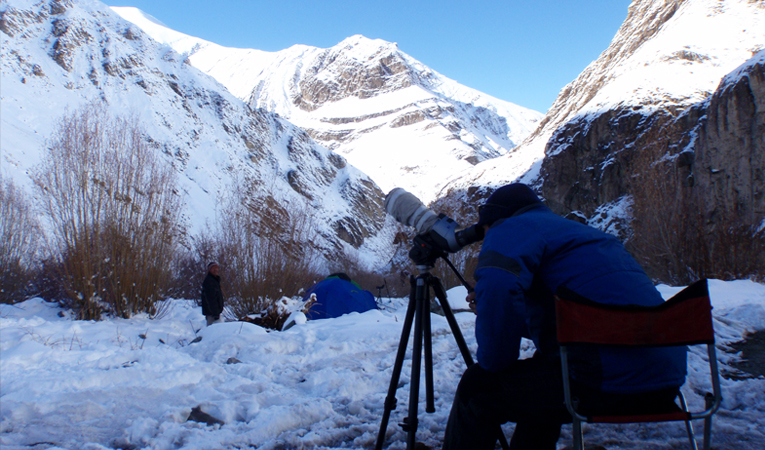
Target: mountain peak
column 180, row 42
column 363, row 43
column 134, row 15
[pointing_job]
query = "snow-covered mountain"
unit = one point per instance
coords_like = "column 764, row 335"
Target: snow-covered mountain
column 58, row 55
column 668, row 57
column 400, row 122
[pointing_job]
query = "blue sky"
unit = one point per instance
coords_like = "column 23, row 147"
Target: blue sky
column 521, row 51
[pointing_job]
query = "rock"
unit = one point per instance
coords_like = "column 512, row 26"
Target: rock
column 197, row 415
column 729, row 166
column 752, row 362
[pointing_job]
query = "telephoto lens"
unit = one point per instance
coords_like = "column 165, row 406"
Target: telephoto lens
column 442, row 230
column 409, row 210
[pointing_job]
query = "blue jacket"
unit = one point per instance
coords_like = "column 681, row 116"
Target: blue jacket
column 335, row 297
column 524, row 260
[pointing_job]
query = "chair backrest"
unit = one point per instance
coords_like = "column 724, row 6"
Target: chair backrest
column 685, row 319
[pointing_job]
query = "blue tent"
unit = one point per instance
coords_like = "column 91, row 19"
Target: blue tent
column 335, row 296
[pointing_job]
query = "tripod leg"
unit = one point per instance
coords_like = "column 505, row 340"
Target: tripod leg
column 414, row 386
column 390, row 400
column 427, row 336
column 461, row 344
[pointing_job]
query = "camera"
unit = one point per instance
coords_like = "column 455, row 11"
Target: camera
column 437, row 233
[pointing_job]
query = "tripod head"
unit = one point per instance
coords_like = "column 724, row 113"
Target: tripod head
column 426, row 251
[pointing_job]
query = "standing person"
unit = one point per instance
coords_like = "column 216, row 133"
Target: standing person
column 528, row 254
column 212, row 296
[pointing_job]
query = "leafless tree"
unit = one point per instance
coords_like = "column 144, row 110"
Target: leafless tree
column 114, row 211
column 673, row 239
column 264, row 248
column 19, row 242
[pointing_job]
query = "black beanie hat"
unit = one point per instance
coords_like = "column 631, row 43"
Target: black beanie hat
column 505, row 202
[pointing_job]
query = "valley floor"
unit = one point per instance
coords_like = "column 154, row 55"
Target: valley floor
column 131, row 384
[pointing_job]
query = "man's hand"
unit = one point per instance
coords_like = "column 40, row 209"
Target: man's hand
column 471, row 302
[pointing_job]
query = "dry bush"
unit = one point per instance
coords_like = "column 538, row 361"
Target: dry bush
column 350, row 265
column 19, row 238
column 394, row 284
column 465, row 260
column 264, row 249
column 732, row 251
column 396, row 278
column 673, row 239
column 189, row 266
column 661, row 218
column 114, row 212
column 391, row 283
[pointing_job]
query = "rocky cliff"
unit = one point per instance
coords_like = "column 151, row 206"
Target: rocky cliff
column 649, row 87
column 602, row 162
column 728, row 167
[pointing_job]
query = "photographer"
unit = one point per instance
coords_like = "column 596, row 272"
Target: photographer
column 528, row 253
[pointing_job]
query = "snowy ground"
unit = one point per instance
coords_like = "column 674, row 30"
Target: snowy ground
column 101, row 385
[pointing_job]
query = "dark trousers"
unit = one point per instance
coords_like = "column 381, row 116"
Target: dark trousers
column 530, row 393
column 213, row 319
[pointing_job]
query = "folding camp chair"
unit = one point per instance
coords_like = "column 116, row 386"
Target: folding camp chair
column 685, row 319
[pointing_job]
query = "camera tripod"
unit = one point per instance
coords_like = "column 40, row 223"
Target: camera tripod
column 418, row 313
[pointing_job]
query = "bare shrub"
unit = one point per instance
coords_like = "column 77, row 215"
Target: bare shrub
column 349, row 264
column 264, row 248
column 673, row 239
column 393, row 283
column 465, row 212
column 114, row 211
column 189, row 266
column 662, row 218
column 19, row 239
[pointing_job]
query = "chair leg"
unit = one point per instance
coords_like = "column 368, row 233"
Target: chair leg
column 688, row 425
column 709, row 399
column 691, row 438
column 577, row 434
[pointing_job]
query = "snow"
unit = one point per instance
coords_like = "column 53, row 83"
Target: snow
column 743, row 70
column 132, row 383
column 522, row 164
column 611, row 216
column 183, row 43
column 702, row 42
